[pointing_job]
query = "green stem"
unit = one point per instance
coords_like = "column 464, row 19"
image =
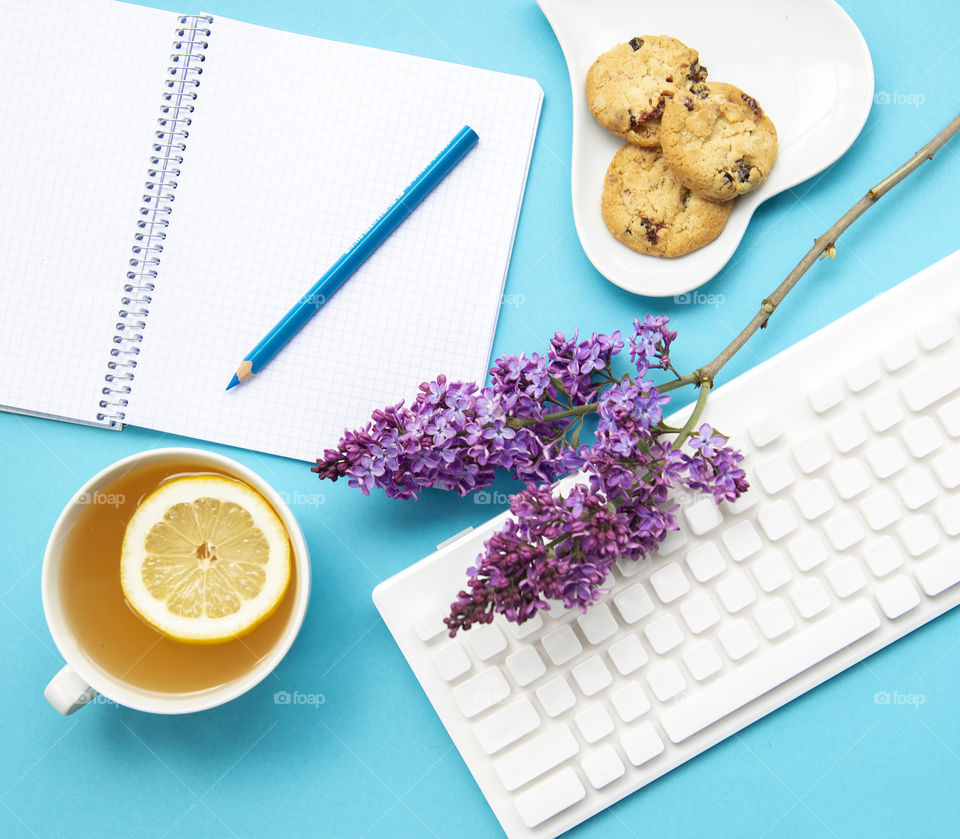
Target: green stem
column 578, row 411
column 688, row 426
column 689, row 379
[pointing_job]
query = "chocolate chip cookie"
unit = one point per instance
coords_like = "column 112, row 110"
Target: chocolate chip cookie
column 629, row 85
column 649, row 210
column 717, row 141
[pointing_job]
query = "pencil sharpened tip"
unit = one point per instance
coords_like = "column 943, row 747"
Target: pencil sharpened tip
column 233, row 382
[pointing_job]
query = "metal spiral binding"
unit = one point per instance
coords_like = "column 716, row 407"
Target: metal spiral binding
column 157, row 204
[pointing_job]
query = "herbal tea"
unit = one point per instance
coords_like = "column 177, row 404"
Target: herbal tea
column 110, row 633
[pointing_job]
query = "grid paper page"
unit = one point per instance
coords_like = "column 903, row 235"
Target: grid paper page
column 81, row 92
column 298, row 144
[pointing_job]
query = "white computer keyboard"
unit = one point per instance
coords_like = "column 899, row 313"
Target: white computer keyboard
column 845, row 542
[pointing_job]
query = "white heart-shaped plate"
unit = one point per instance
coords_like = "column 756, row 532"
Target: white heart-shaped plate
column 805, row 61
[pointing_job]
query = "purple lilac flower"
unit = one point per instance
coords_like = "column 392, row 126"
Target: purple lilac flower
column 455, row 435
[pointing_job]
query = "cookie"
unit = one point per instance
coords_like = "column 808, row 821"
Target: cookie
column 628, row 86
column 718, row 142
column 649, row 210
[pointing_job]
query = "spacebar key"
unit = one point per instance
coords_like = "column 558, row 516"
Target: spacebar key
column 754, row 678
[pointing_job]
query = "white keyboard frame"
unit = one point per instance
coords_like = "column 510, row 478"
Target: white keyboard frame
column 783, row 380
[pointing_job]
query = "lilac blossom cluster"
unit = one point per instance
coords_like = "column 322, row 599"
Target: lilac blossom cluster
column 559, row 546
column 455, row 435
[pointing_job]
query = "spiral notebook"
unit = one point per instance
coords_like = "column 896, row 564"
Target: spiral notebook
column 171, row 184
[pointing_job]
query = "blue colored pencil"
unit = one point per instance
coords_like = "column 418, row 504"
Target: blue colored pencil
column 344, row 267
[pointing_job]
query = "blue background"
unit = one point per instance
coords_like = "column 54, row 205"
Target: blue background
column 372, row 760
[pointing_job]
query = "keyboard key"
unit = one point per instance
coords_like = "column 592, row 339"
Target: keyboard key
column 598, row 623
column 742, row 504
column 480, row 692
column 633, row 603
column 899, row 354
column 948, row 514
column 548, row 797
column 486, row 640
column 880, row 508
column 700, row 613
column 919, row 535
column 949, row 416
column 772, row 571
column 561, row 644
column 916, row 488
column 947, row 468
column 430, row 624
column 843, row 530
column 939, row 573
column 602, row 766
column 507, row 725
column 594, row 722
column 670, row 582
column 897, row 596
column 810, row 598
column 525, row 665
column 775, row 474
column 939, row 380
column 883, row 556
column 777, row 520
column 703, row 516
column 811, row 453
column 847, row 433
column 706, row 562
column 752, row 679
column 666, row 681
column 627, row 654
column 862, row 375
column 884, row 412
column 742, row 540
column 846, row 577
column 663, row 633
column 774, row 619
column 537, row 755
column 823, row 397
column 887, row 457
column 629, row 567
column 630, row 701
column 673, row 541
column 592, row 675
column 642, row 744
column 527, row 628
column 555, row 609
column 807, row 550
column 738, row 639
column 814, row 499
column 765, row 430
column 850, row 479
column 451, row 661
column 936, row 332
column 702, row 660
column 735, row 592
column 556, row 696
column 923, row 437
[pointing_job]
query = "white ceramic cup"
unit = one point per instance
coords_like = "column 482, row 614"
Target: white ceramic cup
column 82, row 679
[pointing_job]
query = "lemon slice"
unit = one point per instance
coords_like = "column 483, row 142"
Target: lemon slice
column 205, row 559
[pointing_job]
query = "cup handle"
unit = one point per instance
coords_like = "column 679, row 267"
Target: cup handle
column 67, row 692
